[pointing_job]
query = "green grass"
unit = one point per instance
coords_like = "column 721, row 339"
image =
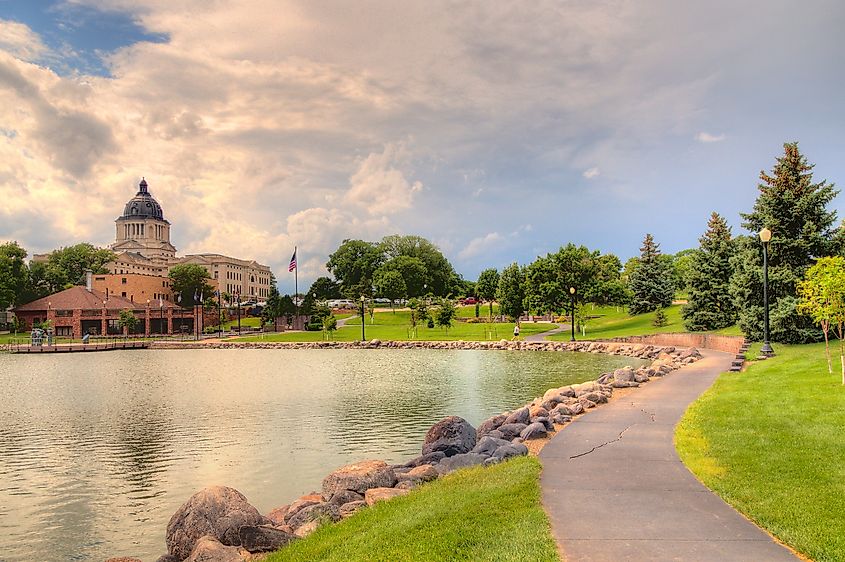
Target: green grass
column 251, row 322
column 389, row 326
column 475, row 514
column 771, row 442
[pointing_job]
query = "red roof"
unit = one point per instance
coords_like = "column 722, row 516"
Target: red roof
column 81, row 298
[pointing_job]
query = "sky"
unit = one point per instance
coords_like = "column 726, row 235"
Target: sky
column 498, row 130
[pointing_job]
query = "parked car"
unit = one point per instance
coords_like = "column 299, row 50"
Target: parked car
column 470, row 300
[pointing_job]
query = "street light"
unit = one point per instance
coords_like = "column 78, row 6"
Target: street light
column 572, row 311
column 363, row 323
column 765, row 237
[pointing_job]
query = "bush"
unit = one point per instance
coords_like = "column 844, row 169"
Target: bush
column 314, row 327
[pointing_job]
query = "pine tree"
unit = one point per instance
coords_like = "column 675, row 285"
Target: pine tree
column 795, row 210
column 660, row 318
column 710, row 305
column 651, row 281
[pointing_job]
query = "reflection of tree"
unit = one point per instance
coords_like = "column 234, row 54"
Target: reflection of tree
column 143, row 439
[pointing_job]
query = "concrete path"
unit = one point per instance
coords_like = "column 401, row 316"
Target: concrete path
column 542, row 335
column 615, row 489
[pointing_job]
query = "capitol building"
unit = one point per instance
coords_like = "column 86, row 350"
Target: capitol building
column 145, row 255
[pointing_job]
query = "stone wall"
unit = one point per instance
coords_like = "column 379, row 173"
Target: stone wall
column 728, row 344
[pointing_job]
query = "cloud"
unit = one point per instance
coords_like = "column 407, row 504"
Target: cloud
column 707, row 137
column 591, row 173
column 481, row 244
column 378, row 186
column 20, row 41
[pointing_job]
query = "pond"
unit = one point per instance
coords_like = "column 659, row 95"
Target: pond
column 98, row 450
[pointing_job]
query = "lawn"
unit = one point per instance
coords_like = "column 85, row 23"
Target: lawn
column 474, row 514
column 389, row 326
column 770, row 441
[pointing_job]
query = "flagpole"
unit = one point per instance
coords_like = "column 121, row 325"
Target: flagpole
column 296, row 284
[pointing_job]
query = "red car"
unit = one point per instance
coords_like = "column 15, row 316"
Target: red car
column 470, row 300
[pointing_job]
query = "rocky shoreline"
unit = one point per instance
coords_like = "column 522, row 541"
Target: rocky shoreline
column 218, row 524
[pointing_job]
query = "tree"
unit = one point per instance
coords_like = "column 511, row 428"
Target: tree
column 651, row 281
column 548, row 279
column 329, row 325
column 608, row 287
column 487, row 285
column 511, row 292
column 391, row 285
column 795, row 210
column 127, row 320
column 682, row 268
column 412, row 270
column 353, row 265
column 710, row 305
column 13, row 275
column 188, row 280
column 440, row 275
column 324, row 288
column 445, row 313
column 272, row 307
column 822, row 293
column 660, row 318
column 66, row 267
column 287, row 308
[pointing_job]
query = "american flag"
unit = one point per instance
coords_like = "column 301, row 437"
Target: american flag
column 292, row 265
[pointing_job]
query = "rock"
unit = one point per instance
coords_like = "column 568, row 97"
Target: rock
column 422, row 473
column 124, row 559
column 534, row 431
column 560, row 418
column 490, row 424
column 576, row 408
column 624, row 374
column 596, row 397
column 640, row 377
column 308, row 528
column 277, row 516
column 359, row 477
column 538, row 412
column 490, row 461
column 407, row 484
column 348, row 509
column 496, row 434
column 510, row 450
column 587, row 404
column 263, row 538
column 167, row 558
column 453, row 463
column 511, row 430
column 520, row 416
column 563, row 409
column 209, row 549
column 374, row 495
column 486, row 445
column 312, row 512
column 431, row 458
column 300, row 504
column 346, row 496
column 552, row 394
column 452, row 436
column 217, row 511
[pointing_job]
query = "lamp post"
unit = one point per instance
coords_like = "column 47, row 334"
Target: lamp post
column 238, row 297
column 147, row 320
column 572, row 312
column 363, row 317
column 160, row 316
column 765, row 237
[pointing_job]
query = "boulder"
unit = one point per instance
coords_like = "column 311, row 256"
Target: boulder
column 510, row 450
column 308, row 528
column 124, row 559
column 407, row 484
column 302, row 503
column 209, row 549
column 576, row 408
column 496, row 434
column 348, row 509
column 563, row 409
column 538, row 412
column 217, row 511
column 430, row 458
column 374, row 495
column 520, row 416
column 534, row 431
column 490, row 424
column 511, row 430
column 452, row 436
column 625, row 384
column 167, row 558
column 305, row 515
column 359, row 477
column 263, row 538
column 624, row 374
column 346, row 496
column 422, row 473
column 560, row 418
column 277, row 516
column 545, row 421
column 455, row 462
column 486, row 445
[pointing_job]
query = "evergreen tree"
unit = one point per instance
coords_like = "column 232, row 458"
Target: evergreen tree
column 795, row 210
column 660, row 318
column 511, row 292
column 651, row 281
column 272, row 309
column 710, row 306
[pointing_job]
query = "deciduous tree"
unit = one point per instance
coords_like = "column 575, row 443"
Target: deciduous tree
column 511, row 292
column 487, row 285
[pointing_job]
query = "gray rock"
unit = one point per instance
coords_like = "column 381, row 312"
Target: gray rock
column 209, row 549
column 490, row 461
column 490, row 424
column 640, row 377
column 430, row 458
column 510, row 450
column 624, row 374
column 263, row 538
column 496, row 434
column 534, row 431
column 453, row 463
column 560, row 418
column 407, row 484
column 486, row 445
column 359, row 477
column 511, row 430
column 217, row 511
column 348, row 509
column 520, row 416
column 625, row 384
column 422, row 473
column 346, row 496
column 545, row 421
column 452, row 436
column 314, row 512
column 167, row 558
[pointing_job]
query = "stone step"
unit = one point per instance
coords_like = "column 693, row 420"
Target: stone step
column 735, row 368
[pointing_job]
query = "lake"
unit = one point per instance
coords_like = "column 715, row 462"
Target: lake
column 98, row 450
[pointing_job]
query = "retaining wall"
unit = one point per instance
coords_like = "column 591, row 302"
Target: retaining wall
column 728, row 344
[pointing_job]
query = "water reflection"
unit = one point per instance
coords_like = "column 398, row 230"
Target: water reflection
column 98, row 450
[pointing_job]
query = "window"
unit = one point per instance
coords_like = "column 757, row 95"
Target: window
column 123, row 282
column 123, row 294
column 64, row 330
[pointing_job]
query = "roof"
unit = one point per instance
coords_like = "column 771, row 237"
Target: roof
column 80, row 297
column 143, row 205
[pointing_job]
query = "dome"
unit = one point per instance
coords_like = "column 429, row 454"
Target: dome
column 143, row 205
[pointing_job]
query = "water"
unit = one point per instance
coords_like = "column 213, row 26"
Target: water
column 98, row 450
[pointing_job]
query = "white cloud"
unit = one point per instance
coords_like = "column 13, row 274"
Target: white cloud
column 20, row 41
column 591, row 173
column 707, row 137
column 481, row 244
column 378, row 186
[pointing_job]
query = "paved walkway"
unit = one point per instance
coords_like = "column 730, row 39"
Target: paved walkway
column 542, row 335
column 615, row 489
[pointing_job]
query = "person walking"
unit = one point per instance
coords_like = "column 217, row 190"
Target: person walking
column 516, row 331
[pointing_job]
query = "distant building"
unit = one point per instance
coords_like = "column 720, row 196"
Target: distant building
column 143, row 248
